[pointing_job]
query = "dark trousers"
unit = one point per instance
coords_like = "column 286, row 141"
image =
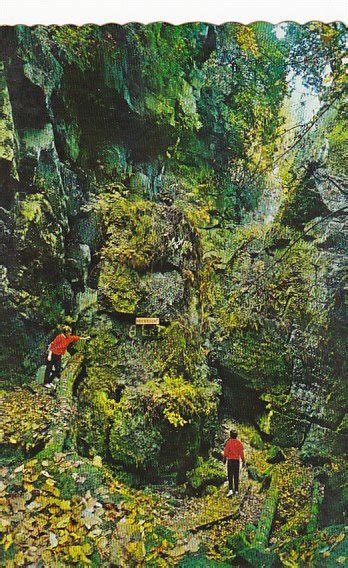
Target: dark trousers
column 53, row 368
column 233, row 474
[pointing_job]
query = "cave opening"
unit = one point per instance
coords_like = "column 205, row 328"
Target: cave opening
column 240, row 402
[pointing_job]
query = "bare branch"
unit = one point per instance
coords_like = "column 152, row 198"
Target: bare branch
column 333, row 181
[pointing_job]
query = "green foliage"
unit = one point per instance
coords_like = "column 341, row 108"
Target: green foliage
column 287, row 430
column 294, row 485
column 119, row 286
column 207, row 472
column 250, row 319
column 256, row 441
column 303, row 202
column 133, row 442
column 133, row 235
column 133, row 242
column 141, row 237
column 154, row 413
column 162, row 86
column 6, row 121
column 240, row 103
column 50, row 308
column 150, row 421
column 79, row 44
column 259, row 357
column 179, row 351
column 95, row 422
column 312, row 46
column 282, row 293
column 98, row 392
column 178, row 400
column 337, row 137
column 38, row 234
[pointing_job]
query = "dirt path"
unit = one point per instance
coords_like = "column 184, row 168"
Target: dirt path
column 212, row 518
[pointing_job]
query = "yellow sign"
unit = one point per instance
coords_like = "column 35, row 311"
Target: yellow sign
column 146, row 321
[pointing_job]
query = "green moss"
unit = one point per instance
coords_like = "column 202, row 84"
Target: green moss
column 134, row 442
column 179, row 351
column 97, row 393
column 70, row 485
column 78, row 44
column 39, row 235
column 146, row 403
column 160, row 417
column 338, row 138
column 119, row 287
column 259, row 557
column 6, row 121
column 31, row 209
column 260, row 357
column 95, row 423
column 287, row 431
column 256, row 441
column 11, row 455
column 303, row 202
column 275, row 455
column 59, row 428
column 133, row 230
column 206, row 473
column 321, row 445
column 178, row 400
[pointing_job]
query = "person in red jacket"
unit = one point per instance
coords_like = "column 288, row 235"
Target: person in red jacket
column 233, row 453
column 56, row 349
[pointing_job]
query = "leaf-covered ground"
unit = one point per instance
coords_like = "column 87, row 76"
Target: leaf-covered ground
column 61, row 509
column 26, row 418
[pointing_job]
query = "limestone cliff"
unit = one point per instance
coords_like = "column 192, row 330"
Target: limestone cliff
column 129, row 159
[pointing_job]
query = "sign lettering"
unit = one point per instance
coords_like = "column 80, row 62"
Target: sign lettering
column 146, row 321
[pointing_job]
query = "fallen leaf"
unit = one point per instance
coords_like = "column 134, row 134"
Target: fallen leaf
column 97, row 461
column 53, row 540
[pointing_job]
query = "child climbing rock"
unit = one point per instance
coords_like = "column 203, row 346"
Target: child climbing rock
column 56, row 349
column 233, row 453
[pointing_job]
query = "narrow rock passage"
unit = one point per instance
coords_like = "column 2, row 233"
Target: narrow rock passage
column 192, row 176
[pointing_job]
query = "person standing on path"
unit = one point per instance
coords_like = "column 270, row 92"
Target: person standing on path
column 233, row 453
column 56, row 349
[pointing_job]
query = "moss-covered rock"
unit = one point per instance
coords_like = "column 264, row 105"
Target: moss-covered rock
column 163, row 295
column 8, row 169
column 164, row 417
column 304, row 202
column 38, row 236
column 119, row 288
column 147, row 267
column 275, row 455
column 259, row 357
column 134, row 443
column 287, row 431
column 321, row 444
column 206, row 473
